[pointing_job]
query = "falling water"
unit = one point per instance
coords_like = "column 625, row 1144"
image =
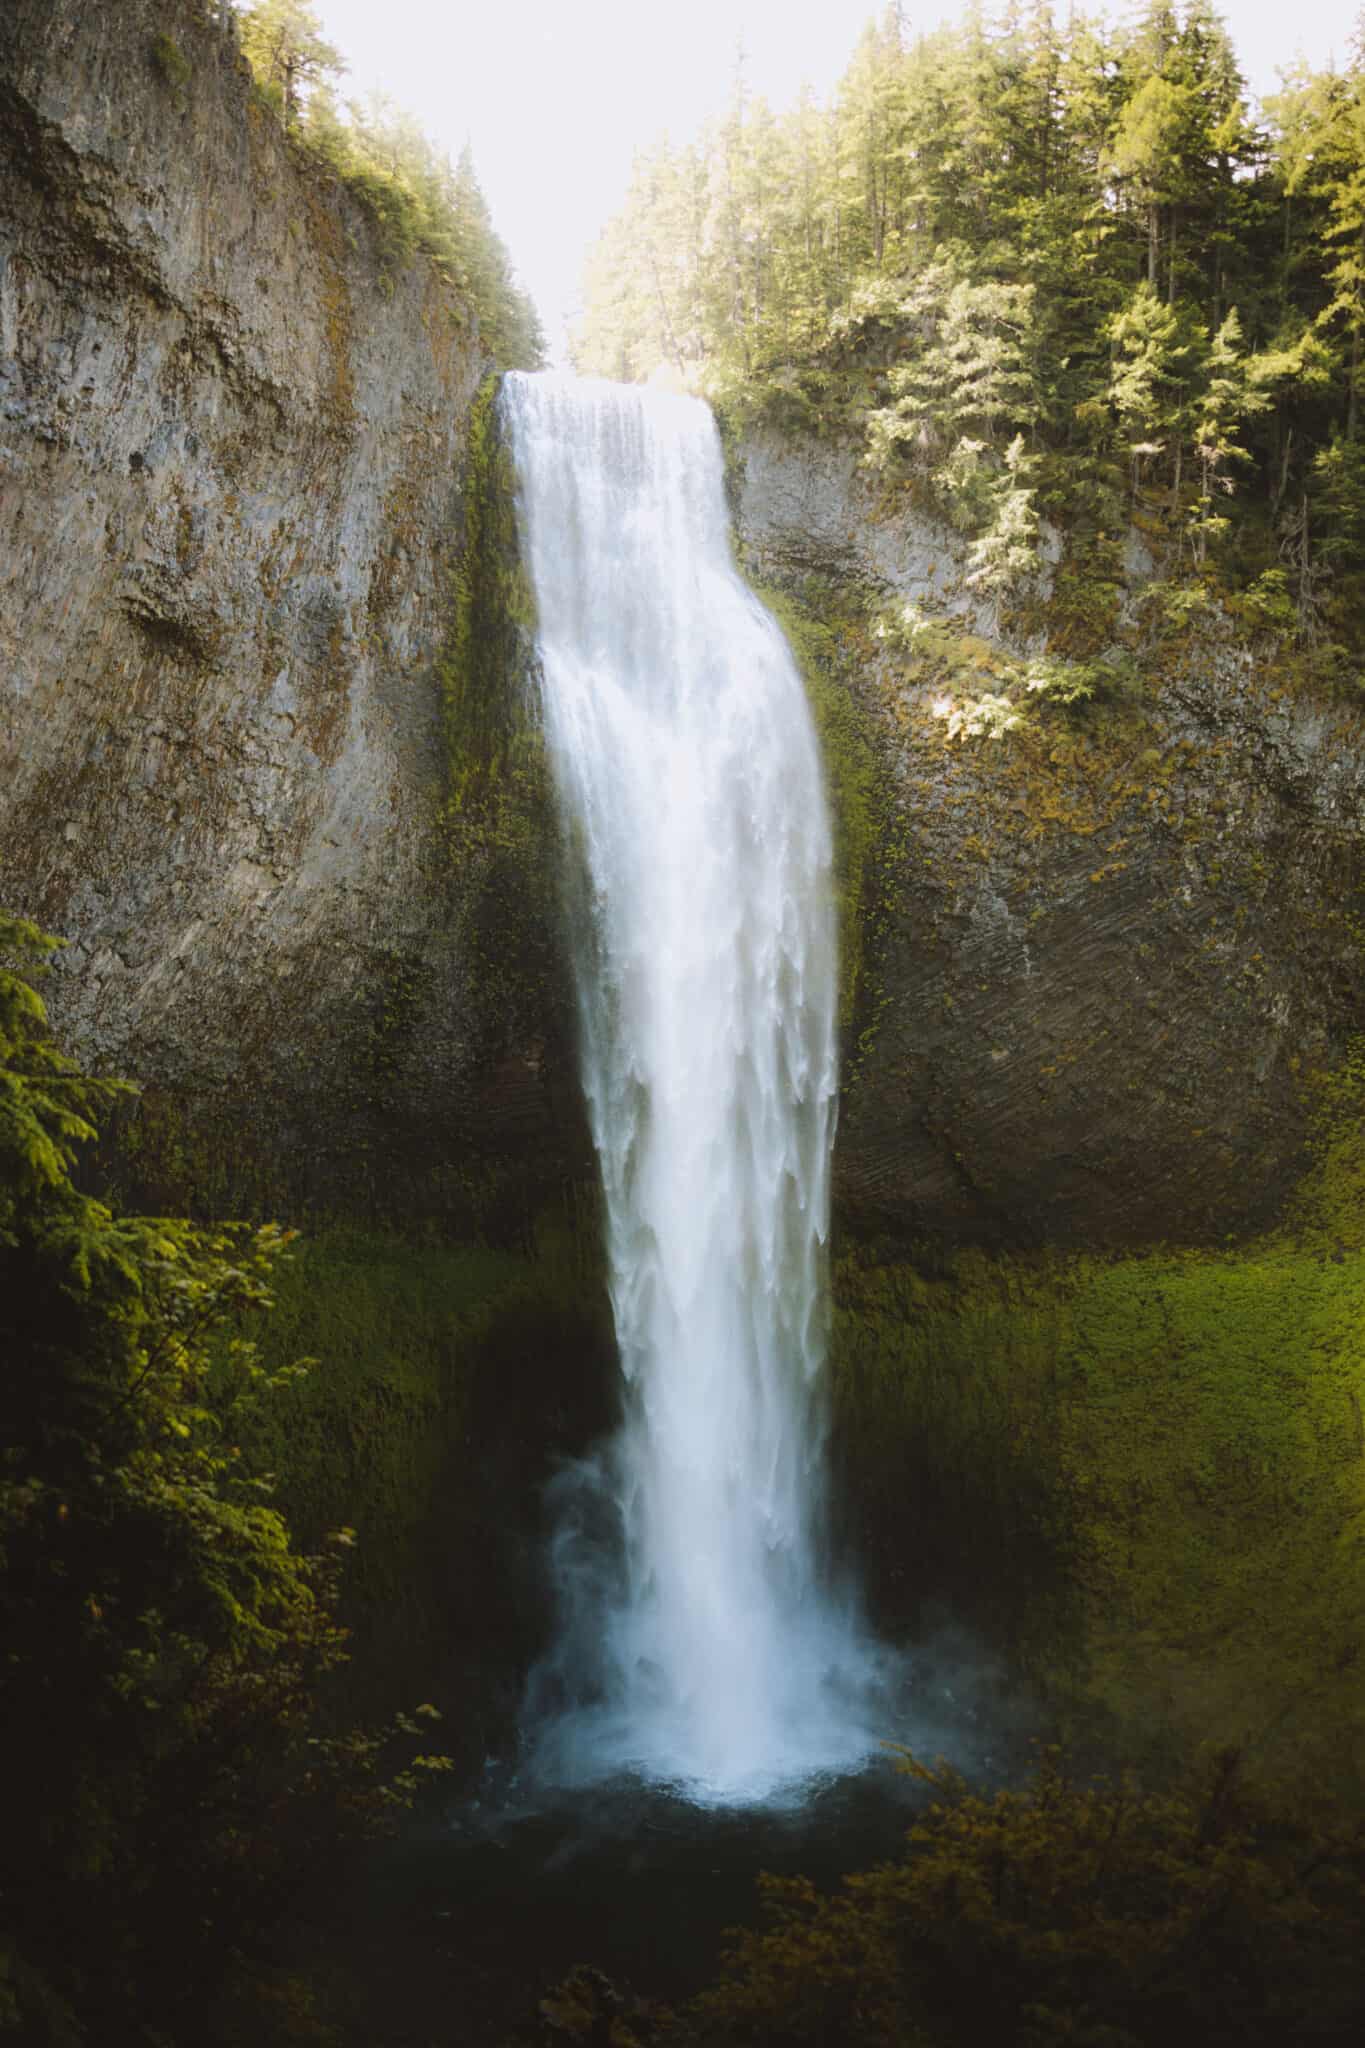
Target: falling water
column 701, row 1642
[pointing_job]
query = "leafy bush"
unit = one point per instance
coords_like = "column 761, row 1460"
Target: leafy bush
column 1067, row 1911
column 162, row 1779
column 1267, row 604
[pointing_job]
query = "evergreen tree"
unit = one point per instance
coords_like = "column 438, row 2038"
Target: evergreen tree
column 288, row 52
column 1151, row 389
column 417, row 201
column 1231, row 395
column 968, row 369
column 1074, row 233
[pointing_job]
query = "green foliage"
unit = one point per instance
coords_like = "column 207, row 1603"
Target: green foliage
column 1083, row 606
column 1267, row 605
column 417, row 201
column 164, row 1639
column 1005, row 551
column 420, row 201
column 171, row 62
column 1153, row 1465
column 289, row 54
column 1171, row 610
column 1154, row 359
column 1070, row 240
column 46, row 1105
column 933, row 650
column 1066, row 682
column 1070, row 1910
column 1231, row 396
column 967, row 369
column 987, row 716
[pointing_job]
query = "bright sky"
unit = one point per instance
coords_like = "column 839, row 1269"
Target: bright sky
column 555, row 95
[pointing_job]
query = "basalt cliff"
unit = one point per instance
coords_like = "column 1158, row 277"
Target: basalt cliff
column 269, row 764
column 232, row 450
column 246, row 575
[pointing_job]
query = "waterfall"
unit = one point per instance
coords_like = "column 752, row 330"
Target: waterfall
column 701, row 1643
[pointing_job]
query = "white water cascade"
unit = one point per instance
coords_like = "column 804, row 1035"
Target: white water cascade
column 701, row 1645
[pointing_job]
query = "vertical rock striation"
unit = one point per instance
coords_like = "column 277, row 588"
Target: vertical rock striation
column 230, row 457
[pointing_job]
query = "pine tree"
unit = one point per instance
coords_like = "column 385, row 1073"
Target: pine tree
column 1230, row 397
column 1156, row 350
column 288, row 52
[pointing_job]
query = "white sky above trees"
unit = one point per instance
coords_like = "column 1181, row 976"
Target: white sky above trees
column 555, row 98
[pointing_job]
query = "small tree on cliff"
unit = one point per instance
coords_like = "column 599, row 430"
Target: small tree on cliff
column 288, row 52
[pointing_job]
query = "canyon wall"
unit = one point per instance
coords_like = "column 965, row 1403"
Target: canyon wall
column 1100, row 961
column 231, row 453
column 264, row 764
column 1106, row 957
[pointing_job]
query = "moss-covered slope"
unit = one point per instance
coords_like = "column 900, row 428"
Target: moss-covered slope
column 1148, row 1470
column 447, row 1382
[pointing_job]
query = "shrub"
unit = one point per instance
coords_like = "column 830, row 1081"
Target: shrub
column 161, row 1779
column 1066, row 1911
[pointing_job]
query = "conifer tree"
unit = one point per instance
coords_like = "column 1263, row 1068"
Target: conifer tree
column 288, row 52
column 1020, row 226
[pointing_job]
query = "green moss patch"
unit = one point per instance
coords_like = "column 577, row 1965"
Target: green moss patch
column 1150, row 1469
column 825, row 628
column 498, row 815
column 172, row 66
column 485, row 666
column 447, row 1380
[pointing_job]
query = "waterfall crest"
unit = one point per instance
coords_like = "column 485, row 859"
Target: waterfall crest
column 701, row 1644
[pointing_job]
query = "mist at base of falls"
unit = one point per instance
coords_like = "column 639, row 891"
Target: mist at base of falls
column 702, row 1642
column 602, row 1706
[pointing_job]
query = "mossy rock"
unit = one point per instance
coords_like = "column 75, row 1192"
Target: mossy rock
column 498, row 822
column 1146, row 1472
column 825, row 627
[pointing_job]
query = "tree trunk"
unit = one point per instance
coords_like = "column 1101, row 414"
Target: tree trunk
column 1351, row 383
column 1278, row 490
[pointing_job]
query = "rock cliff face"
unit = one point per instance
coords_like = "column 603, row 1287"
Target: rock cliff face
column 264, row 763
column 1102, row 959
column 230, row 461
column 1110, row 952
